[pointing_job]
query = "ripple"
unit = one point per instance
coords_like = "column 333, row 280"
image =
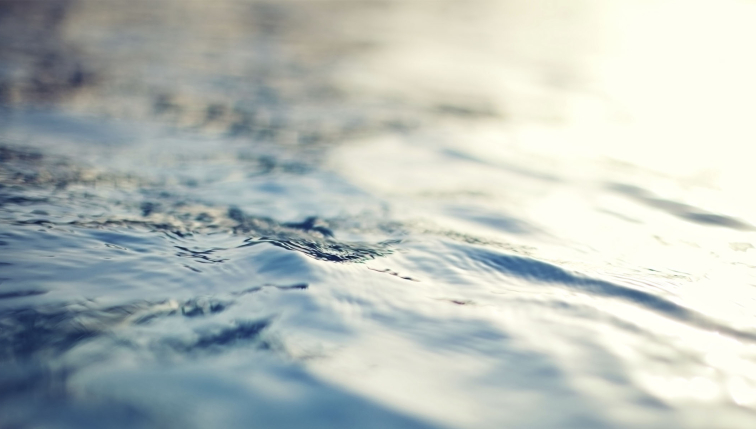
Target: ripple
column 683, row 211
column 534, row 270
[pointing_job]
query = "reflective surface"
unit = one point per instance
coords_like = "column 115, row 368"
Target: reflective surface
column 377, row 214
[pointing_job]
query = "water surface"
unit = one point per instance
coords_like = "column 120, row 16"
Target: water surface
column 377, row 214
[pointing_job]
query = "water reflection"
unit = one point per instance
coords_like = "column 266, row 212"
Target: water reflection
column 390, row 214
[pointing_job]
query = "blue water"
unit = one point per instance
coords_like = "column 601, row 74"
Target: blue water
column 253, row 214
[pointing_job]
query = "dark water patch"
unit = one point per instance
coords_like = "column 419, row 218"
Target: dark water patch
column 201, row 256
column 115, row 246
column 312, row 224
column 34, row 332
column 465, row 111
column 299, row 286
column 265, row 164
column 38, row 396
column 197, row 307
column 717, row 220
column 20, row 293
column 18, row 200
column 40, row 222
column 196, row 270
column 192, row 308
column 681, row 210
column 10, row 154
column 327, row 250
column 39, row 65
column 46, row 332
column 149, row 207
column 242, row 332
column 393, row 273
column 21, row 378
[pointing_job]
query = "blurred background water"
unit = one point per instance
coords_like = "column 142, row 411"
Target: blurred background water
column 426, row 214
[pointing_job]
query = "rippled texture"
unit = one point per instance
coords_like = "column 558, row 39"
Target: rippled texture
column 383, row 214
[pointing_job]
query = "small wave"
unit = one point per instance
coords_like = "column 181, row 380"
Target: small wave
column 533, row 270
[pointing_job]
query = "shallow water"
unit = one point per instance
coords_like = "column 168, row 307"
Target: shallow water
column 376, row 214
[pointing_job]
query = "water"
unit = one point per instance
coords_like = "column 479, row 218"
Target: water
column 377, row 214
